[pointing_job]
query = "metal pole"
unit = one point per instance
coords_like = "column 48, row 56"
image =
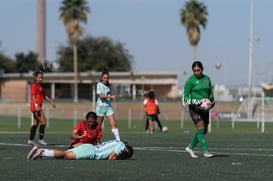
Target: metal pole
column 75, row 66
column 218, row 65
column 249, row 113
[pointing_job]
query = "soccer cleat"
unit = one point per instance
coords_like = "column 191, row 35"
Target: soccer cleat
column 190, row 151
column 147, row 131
column 37, row 154
column 42, row 142
column 208, row 155
column 31, row 152
column 30, row 142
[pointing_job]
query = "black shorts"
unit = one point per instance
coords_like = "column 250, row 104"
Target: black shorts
column 198, row 115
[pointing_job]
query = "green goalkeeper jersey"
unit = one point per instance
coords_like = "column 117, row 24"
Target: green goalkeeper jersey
column 197, row 88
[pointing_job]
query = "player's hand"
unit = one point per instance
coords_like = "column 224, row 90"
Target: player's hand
column 113, row 96
column 37, row 107
column 53, row 105
column 212, row 104
column 84, row 134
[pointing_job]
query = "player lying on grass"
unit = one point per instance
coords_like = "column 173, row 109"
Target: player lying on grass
column 109, row 150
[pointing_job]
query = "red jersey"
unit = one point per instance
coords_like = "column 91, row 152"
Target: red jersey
column 39, row 94
column 150, row 106
column 92, row 134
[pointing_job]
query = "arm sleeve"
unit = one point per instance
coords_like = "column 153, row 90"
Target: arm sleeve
column 99, row 88
column 33, row 89
column 187, row 90
column 99, row 132
column 211, row 95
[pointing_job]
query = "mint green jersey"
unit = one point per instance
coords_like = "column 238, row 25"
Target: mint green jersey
column 100, row 152
column 103, row 89
column 197, row 88
column 103, row 150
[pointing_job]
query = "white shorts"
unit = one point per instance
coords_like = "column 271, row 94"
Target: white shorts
column 104, row 110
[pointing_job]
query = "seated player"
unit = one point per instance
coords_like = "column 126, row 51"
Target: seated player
column 86, row 131
column 109, row 150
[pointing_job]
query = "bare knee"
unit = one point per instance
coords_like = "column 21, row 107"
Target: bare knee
column 69, row 155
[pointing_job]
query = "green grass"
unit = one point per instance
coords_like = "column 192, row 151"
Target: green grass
column 243, row 153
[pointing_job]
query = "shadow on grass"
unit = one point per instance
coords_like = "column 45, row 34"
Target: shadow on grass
column 219, row 155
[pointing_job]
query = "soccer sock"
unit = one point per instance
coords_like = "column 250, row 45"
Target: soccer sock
column 42, row 132
column 202, row 140
column 48, row 153
column 32, row 132
column 158, row 122
column 194, row 141
column 147, row 125
column 116, row 134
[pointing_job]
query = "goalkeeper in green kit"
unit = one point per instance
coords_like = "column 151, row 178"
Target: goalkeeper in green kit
column 198, row 88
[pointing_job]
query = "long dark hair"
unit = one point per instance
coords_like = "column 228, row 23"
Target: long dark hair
column 126, row 154
column 107, row 73
column 91, row 114
column 35, row 74
column 197, row 64
column 151, row 95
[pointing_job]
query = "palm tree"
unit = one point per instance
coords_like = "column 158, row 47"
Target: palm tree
column 71, row 13
column 193, row 15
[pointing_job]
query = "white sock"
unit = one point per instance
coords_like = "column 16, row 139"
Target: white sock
column 48, row 153
column 116, row 134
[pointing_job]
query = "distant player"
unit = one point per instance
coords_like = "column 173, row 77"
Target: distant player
column 151, row 109
column 37, row 95
column 156, row 116
column 109, row 150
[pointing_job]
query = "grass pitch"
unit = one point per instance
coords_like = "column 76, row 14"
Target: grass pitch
column 243, row 153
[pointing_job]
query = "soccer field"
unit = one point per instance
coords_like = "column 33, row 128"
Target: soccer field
column 241, row 154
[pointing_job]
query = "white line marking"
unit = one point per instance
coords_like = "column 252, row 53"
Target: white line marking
column 181, row 150
column 23, row 145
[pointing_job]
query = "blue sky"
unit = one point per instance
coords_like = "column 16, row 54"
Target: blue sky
column 152, row 32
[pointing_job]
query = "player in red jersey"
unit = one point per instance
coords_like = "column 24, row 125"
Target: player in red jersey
column 86, row 131
column 37, row 95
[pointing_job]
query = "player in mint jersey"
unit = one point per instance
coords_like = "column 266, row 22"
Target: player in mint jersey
column 103, row 107
column 109, row 150
column 197, row 87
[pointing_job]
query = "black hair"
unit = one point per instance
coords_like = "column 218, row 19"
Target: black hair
column 130, row 151
column 197, row 64
column 151, row 95
column 107, row 73
column 91, row 114
column 35, row 74
column 126, row 154
column 104, row 72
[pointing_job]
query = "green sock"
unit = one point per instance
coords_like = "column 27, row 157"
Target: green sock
column 202, row 140
column 194, row 141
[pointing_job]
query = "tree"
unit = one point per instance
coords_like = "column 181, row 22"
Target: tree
column 72, row 12
column 26, row 63
column 193, row 15
column 7, row 63
column 96, row 54
column 23, row 63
